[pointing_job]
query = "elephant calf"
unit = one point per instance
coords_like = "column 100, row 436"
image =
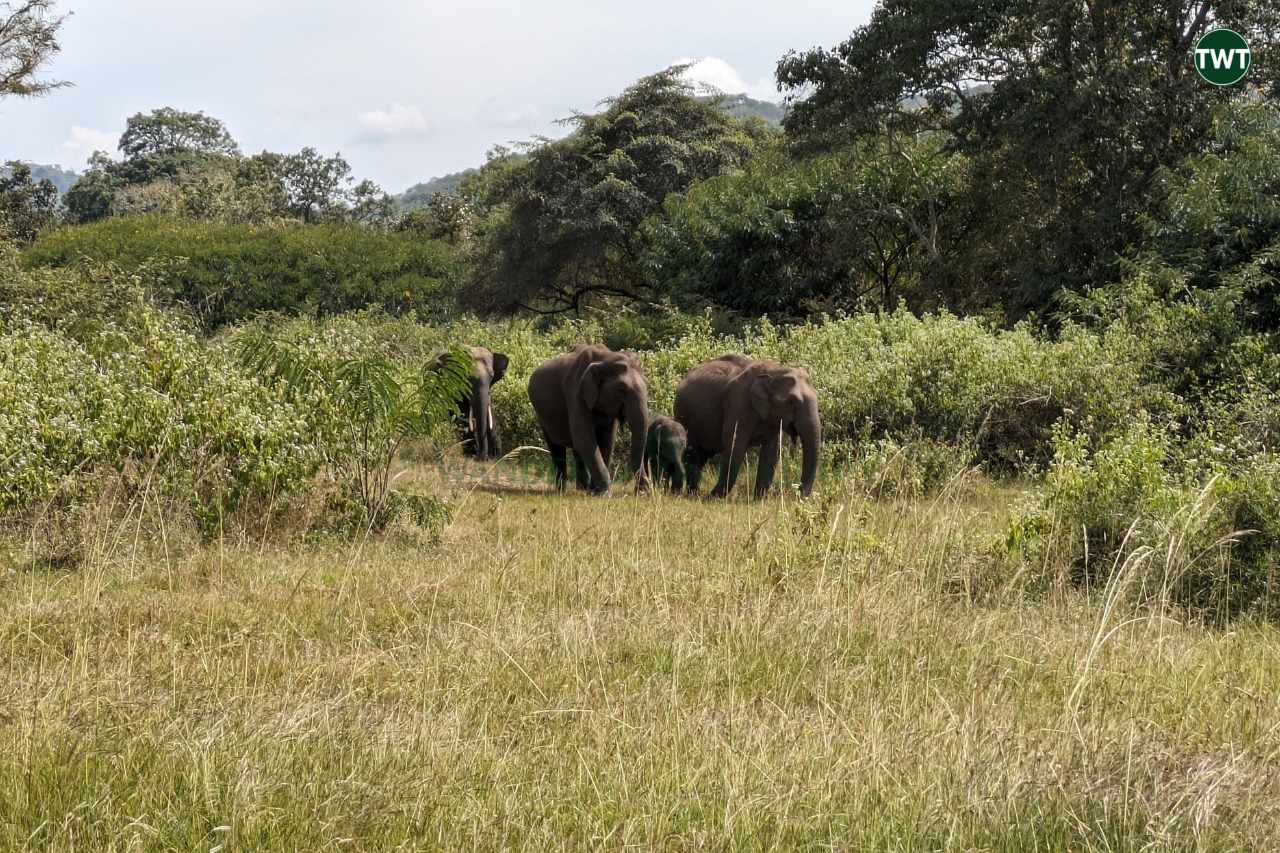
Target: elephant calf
column 580, row 397
column 664, row 449
column 474, row 421
column 733, row 403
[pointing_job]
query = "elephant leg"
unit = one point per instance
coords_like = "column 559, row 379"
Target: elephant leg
column 694, row 459
column 460, row 430
column 768, row 464
column 605, row 436
column 675, row 476
column 730, row 466
column 466, row 427
column 495, row 452
column 560, row 460
column 581, row 471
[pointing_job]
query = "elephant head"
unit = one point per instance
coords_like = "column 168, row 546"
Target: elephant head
column 785, row 401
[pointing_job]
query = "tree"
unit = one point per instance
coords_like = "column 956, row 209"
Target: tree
column 791, row 238
column 225, row 273
column 1217, row 220
column 1066, row 111
column 28, row 42
column 447, row 216
column 168, row 131
column 315, row 186
column 174, row 162
column 93, row 196
column 562, row 225
column 370, row 205
column 379, row 405
column 27, row 206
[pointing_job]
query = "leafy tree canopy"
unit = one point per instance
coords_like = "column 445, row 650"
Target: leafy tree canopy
column 27, row 205
column 187, row 165
column 791, row 238
column 229, row 273
column 28, row 42
column 1067, row 109
column 566, row 220
column 170, row 131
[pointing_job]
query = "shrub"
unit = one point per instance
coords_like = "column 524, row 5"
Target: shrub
column 887, row 468
column 146, row 399
column 229, row 273
column 95, row 379
column 1131, row 511
column 360, row 405
column 892, row 376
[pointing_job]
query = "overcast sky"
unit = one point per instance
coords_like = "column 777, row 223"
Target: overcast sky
column 405, row 89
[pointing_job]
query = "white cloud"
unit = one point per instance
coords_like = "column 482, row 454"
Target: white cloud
column 83, row 142
column 711, row 72
column 398, row 122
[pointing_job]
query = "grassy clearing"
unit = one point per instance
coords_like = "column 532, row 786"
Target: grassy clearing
column 567, row 672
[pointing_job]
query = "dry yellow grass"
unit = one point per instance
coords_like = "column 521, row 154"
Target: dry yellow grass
column 568, row 672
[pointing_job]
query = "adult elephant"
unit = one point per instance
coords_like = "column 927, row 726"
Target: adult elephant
column 474, row 421
column 580, row 397
column 733, row 403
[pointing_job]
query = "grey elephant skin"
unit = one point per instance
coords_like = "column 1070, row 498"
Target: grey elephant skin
column 476, row 427
column 580, row 397
column 664, row 450
column 733, row 403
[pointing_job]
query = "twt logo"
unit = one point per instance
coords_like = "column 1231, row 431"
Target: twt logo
column 1222, row 57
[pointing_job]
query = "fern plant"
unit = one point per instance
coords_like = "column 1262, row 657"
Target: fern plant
column 362, row 405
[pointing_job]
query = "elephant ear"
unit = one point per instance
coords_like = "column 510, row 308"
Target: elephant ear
column 589, row 385
column 760, row 396
column 596, row 374
column 500, row 362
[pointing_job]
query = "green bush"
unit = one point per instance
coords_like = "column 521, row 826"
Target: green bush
column 879, row 376
column 115, row 384
column 939, row 378
column 887, row 468
column 147, row 399
column 230, row 273
column 1133, row 512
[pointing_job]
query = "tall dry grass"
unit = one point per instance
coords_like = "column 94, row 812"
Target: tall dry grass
column 567, row 672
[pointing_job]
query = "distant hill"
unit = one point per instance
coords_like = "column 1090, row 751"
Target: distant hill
column 419, row 195
column 62, row 178
column 743, row 106
column 738, row 106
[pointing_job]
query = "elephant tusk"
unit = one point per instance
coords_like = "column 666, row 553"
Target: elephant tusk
column 490, row 413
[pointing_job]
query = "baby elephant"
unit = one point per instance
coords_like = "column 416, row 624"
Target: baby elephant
column 664, row 448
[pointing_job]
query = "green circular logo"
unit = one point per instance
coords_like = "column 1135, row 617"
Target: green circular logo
column 1222, row 57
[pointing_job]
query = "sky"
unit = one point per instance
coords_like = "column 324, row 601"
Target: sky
column 405, row 89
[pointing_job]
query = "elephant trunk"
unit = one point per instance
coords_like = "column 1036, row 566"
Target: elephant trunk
column 481, row 418
column 810, row 429
column 637, row 415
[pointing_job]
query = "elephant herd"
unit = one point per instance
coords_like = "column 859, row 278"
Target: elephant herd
column 723, row 408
